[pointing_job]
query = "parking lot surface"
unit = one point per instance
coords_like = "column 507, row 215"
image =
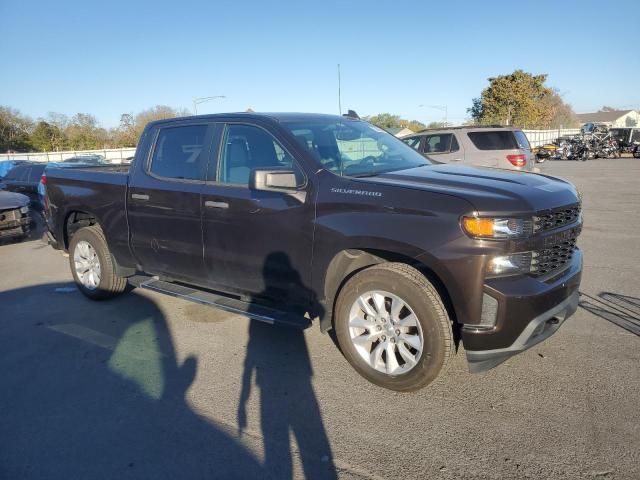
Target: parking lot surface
column 147, row 386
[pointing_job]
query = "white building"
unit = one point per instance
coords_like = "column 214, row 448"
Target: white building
column 614, row 118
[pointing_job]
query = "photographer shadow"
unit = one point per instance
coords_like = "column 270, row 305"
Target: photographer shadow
column 94, row 390
column 279, row 358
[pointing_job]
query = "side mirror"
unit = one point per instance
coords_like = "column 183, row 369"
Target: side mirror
column 275, row 179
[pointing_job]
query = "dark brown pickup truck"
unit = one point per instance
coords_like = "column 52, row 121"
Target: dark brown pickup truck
column 291, row 217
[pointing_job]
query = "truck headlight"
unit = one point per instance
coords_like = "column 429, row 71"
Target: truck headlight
column 499, row 228
column 509, row 265
column 24, row 209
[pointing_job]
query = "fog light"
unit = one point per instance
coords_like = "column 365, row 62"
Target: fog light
column 507, row 265
column 489, row 311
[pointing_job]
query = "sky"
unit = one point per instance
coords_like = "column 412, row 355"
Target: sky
column 109, row 58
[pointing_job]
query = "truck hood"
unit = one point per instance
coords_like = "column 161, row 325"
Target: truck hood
column 489, row 190
column 10, row 200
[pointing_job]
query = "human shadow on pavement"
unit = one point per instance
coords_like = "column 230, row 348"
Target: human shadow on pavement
column 279, row 357
column 94, row 390
column 621, row 310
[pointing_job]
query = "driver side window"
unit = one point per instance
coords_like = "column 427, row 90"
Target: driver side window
column 246, row 147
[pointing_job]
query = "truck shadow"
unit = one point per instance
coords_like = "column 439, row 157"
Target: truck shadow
column 279, row 359
column 94, row 390
column 621, row 310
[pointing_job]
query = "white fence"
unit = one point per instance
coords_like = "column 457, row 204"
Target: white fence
column 113, row 155
column 541, row 137
column 116, row 155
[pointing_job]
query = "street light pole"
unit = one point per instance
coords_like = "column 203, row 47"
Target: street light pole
column 198, row 100
column 442, row 108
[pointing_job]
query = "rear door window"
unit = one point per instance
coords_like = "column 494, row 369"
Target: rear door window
column 494, row 140
column 36, row 173
column 180, row 153
column 440, row 143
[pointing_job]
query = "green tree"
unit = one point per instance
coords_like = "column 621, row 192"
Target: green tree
column 415, row 125
column 385, row 120
column 46, row 137
column 83, row 133
column 14, row 130
column 519, row 99
column 562, row 115
column 125, row 135
column 159, row 112
column 388, row 120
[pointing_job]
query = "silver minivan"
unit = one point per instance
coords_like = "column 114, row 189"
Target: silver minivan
column 496, row 147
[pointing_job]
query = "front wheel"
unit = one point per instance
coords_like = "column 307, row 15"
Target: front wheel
column 393, row 328
column 91, row 265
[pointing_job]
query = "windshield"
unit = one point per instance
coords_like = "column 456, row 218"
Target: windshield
column 354, row 148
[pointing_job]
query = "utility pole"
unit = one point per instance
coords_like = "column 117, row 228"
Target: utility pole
column 441, row 108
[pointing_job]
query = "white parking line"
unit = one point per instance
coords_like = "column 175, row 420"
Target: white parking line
column 88, row 335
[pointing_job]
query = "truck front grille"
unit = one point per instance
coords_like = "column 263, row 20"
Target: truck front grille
column 555, row 258
column 555, row 218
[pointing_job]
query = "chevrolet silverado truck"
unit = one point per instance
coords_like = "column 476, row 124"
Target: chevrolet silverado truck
column 289, row 218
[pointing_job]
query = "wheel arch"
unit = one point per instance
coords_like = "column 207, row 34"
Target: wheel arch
column 74, row 220
column 346, row 263
column 77, row 218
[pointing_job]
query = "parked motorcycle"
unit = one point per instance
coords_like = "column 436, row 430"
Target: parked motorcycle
column 542, row 154
column 580, row 150
column 607, row 148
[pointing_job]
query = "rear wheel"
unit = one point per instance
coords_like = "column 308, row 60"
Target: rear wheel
column 393, row 328
column 91, row 265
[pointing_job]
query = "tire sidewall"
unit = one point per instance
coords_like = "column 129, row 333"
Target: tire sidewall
column 85, row 234
column 433, row 354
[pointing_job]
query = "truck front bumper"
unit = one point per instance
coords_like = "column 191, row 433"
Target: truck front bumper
column 528, row 312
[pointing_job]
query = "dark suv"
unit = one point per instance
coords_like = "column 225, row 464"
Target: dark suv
column 495, row 147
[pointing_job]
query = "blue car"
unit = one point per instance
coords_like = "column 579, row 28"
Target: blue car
column 7, row 165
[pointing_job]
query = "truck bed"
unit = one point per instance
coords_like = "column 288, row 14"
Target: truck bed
column 100, row 191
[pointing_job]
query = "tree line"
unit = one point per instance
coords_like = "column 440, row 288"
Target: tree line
column 518, row 99
column 58, row 132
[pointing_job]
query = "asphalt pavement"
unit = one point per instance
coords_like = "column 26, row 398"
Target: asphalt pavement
column 147, row 386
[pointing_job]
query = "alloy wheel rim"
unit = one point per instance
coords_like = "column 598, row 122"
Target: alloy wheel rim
column 385, row 332
column 87, row 265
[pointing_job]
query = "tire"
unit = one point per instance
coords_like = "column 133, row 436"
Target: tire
column 106, row 283
column 394, row 281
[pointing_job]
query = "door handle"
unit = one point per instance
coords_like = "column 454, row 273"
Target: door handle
column 139, row 196
column 211, row 204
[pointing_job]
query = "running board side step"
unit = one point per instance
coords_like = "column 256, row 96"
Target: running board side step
column 221, row 301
